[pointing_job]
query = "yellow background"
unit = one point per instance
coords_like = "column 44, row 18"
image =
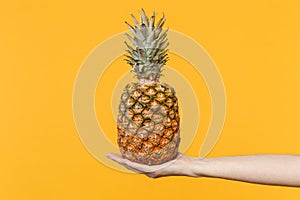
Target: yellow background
column 255, row 45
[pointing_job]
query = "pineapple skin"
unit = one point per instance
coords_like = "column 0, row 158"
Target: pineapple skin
column 148, row 123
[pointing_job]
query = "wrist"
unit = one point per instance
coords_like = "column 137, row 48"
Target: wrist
column 199, row 167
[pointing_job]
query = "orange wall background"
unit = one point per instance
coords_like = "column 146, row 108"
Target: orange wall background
column 255, row 45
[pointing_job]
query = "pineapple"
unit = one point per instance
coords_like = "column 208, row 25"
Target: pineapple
column 148, row 119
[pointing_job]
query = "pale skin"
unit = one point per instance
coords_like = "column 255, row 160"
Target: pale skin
column 270, row 169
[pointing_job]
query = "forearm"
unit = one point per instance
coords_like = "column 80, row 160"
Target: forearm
column 264, row 169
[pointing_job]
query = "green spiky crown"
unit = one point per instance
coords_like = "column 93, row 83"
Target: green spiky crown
column 149, row 51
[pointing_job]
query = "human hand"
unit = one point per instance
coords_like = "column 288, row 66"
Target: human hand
column 269, row 169
column 182, row 165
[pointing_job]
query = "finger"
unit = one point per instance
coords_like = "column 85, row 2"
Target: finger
column 119, row 159
column 141, row 168
column 149, row 174
column 115, row 158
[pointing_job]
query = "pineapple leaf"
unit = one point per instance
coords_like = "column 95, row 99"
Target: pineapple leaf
column 161, row 44
column 164, row 60
column 152, row 21
column 163, row 56
column 139, row 35
column 130, row 58
column 130, row 28
column 159, row 22
column 162, row 36
column 134, row 54
column 131, row 40
column 136, row 24
column 128, row 46
column 164, row 45
column 162, row 22
column 144, row 18
column 150, row 37
column 147, row 53
column 157, row 31
column 135, row 32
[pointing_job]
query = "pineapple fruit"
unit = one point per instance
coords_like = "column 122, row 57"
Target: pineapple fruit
column 148, row 119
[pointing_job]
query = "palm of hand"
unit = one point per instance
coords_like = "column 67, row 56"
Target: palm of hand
column 177, row 167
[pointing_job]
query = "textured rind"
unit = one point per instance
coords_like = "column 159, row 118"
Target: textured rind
column 148, row 123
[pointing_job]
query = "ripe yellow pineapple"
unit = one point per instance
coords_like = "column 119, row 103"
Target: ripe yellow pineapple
column 148, row 119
